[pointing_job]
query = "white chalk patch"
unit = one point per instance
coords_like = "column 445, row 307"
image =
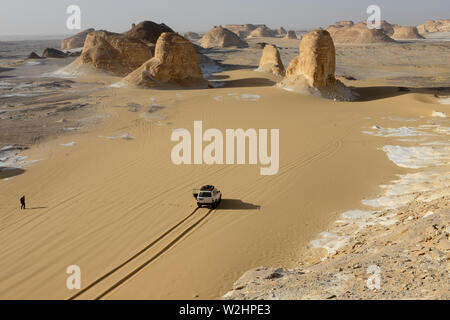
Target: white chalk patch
column 402, row 119
column 119, row 84
column 405, row 189
column 329, row 241
column 6, row 85
column 444, row 100
column 249, row 97
column 423, row 186
column 426, row 215
column 70, row 144
column 11, row 158
column 417, row 157
column 21, row 94
column 442, row 130
column 436, row 143
column 412, row 139
column 396, row 132
column 240, row 97
column 33, row 63
column 439, row 114
column 125, row 136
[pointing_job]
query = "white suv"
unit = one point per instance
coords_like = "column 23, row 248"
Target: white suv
column 208, row 196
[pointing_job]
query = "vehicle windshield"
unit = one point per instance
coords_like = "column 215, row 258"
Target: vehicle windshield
column 205, row 194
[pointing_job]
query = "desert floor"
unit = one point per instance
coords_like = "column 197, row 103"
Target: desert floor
column 114, row 204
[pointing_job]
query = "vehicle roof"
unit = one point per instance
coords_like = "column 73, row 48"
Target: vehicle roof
column 207, row 188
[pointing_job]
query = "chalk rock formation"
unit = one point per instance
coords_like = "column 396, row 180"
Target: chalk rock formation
column 343, row 23
column 175, row 64
column 317, row 59
column 291, row 35
column 114, row 52
column 34, row 55
column 387, row 27
column 271, row 61
column 406, row 33
column 313, row 70
column 76, row 41
column 358, row 33
column 281, row 32
column 219, row 37
column 242, row 30
column 434, row 26
column 192, row 36
column 262, row 31
column 147, row 31
column 53, row 53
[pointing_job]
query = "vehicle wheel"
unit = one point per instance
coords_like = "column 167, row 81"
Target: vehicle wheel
column 220, row 199
column 199, row 205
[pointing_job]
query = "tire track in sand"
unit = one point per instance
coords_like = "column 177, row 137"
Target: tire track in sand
column 176, row 240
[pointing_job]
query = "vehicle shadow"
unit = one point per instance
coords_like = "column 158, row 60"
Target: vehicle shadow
column 237, row 204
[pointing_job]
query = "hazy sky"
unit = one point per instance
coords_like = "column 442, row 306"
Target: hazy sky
column 48, row 17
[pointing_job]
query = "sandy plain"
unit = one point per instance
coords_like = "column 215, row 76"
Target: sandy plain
column 108, row 198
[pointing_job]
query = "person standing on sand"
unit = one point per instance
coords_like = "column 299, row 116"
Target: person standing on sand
column 22, row 203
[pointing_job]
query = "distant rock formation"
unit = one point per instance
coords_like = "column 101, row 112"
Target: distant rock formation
column 358, row 33
column 219, row 37
column 73, row 54
column 76, row 41
column 53, row 53
column 192, row 36
column 262, row 31
column 281, row 32
column 175, row 64
column 387, row 27
column 313, row 70
column 343, row 23
column 406, row 33
column 271, row 61
column 34, row 55
column 442, row 25
column 147, row 31
column 114, row 52
column 291, row 35
column 242, row 30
